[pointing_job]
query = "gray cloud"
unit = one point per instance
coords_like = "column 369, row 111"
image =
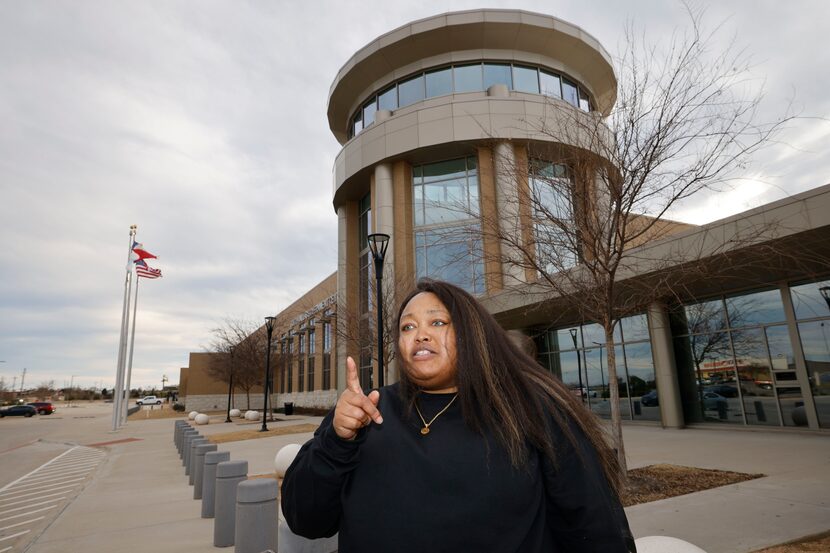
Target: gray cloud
column 204, row 123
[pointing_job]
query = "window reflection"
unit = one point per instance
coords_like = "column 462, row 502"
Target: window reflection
column 495, row 73
column 633, row 360
column 526, row 79
column 470, row 77
column 815, row 341
column 753, row 309
column 467, row 78
column 447, row 236
column 811, row 300
column 411, row 91
column 439, row 82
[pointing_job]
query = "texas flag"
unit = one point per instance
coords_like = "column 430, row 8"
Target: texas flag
column 140, row 253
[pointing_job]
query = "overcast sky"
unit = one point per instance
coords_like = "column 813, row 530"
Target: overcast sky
column 204, row 123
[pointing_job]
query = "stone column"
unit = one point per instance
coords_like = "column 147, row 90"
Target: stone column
column 342, row 296
column 384, row 216
column 665, row 368
column 507, row 203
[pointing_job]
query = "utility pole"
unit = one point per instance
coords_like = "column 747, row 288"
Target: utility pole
column 22, row 379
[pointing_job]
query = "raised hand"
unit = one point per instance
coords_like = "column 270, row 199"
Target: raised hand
column 355, row 409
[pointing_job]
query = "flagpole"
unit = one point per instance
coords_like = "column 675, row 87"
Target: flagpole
column 132, row 349
column 119, row 376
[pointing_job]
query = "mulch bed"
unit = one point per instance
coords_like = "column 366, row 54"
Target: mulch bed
column 663, row 481
column 256, row 434
column 813, row 544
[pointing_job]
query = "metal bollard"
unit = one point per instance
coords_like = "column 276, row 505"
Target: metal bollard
column 228, row 476
column 256, row 516
column 212, row 459
column 199, row 468
column 191, row 460
column 186, row 437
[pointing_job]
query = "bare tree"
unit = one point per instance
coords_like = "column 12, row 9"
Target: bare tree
column 685, row 121
column 242, row 346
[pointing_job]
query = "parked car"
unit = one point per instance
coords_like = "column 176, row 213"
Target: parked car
column 713, row 401
column 18, row 411
column 149, row 400
column 724, row 390
column 43, row 407
column 650, row 399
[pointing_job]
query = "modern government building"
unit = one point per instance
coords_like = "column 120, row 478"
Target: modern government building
column 428, row 115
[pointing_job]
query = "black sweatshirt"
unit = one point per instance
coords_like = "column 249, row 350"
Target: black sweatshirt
column 393, row 489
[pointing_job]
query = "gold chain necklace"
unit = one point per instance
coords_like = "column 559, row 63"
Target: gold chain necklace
column 425, row 429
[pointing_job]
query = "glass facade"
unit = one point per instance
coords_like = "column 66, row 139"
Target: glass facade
column 579, row 357
column 447, row 233
column 469, row 77
column 811, row 303
column 736, row 364
column 326, row 355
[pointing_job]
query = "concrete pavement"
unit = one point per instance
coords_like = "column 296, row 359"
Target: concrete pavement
column 139, row 497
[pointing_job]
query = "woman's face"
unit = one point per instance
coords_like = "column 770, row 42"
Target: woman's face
column 427, row 343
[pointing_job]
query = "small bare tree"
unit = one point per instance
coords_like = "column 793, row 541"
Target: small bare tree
column 242, row 360
column 684, row 122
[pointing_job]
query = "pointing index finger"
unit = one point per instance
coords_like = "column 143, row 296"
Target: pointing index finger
column 352, row 380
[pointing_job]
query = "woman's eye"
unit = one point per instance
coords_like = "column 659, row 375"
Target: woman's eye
column 438, row 323
column 407, row 327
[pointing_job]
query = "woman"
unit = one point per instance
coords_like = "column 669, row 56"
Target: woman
column 477, row 448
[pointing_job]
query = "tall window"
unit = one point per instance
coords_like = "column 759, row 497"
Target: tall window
column 550, row 188
column 447, row 229
column 326, row 355
column 735, row 360
column 290, row 363
column 311, row 351
column 301, row 362
column 364, row 228
column 283, row 363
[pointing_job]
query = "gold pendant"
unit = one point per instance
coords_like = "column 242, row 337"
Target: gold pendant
column 424, row 431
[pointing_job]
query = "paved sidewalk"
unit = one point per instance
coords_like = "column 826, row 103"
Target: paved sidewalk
column 140, row 500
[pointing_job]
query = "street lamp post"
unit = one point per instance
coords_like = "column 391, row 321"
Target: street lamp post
column 378, row 243
column 269, row 329
column 601, row 375
column 230, row 385
column 825, row 293
column 573, row 332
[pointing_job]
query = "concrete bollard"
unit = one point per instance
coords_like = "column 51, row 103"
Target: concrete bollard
column 191, row 461
column 228, row 476
column 212, row 459
column 199, row 468
column 189, row 436
column 177, row 429
column 186, row 437
column 256, row 516
column 665, row 544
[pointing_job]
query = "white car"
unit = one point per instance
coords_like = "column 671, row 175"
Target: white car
column 149, row 400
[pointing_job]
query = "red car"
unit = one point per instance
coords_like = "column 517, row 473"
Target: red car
column 43, row 407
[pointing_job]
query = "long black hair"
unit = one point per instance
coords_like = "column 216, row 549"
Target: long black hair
column 504, row 390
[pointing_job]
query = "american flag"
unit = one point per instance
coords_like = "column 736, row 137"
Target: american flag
column 145, row 271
